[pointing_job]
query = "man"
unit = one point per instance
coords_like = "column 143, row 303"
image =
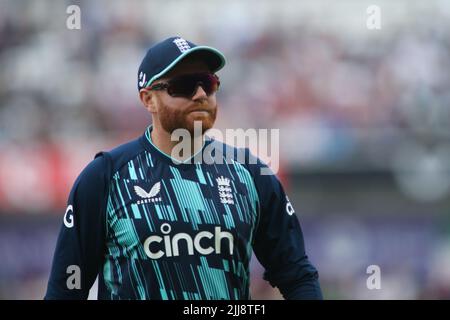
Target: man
column 156, row 224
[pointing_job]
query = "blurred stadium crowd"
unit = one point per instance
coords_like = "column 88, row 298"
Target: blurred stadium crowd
column 364, row 121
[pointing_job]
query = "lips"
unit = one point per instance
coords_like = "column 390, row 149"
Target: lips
column 200, row 109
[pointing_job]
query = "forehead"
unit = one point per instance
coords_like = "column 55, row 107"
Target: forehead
column 190, row 64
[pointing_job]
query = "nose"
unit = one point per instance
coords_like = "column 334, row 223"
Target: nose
column 199, row 93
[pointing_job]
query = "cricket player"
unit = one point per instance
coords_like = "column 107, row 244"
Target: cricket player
column 154, row 224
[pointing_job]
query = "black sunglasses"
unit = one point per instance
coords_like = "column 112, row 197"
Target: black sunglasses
column 186, row 85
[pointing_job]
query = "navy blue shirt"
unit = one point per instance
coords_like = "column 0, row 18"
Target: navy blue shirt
column 153, row 228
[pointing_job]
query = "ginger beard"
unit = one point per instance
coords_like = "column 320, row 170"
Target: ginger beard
column 173, row 117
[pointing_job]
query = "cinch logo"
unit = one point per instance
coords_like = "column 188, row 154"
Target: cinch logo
column 148, row 196
column 171, row 243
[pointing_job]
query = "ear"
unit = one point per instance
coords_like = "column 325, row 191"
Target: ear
column 148, row 98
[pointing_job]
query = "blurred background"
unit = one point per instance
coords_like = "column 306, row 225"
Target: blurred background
column 364, row 119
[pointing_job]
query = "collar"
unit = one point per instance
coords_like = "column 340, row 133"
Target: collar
column 197, row 158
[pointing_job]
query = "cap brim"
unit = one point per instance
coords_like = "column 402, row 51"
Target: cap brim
column 213, row 57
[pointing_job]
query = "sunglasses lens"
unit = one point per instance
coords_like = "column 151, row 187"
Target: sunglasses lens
column 186, row 85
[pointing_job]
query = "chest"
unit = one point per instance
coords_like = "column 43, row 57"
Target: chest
column 164, row 211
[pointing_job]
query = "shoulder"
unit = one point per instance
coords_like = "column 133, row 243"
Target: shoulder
column 93, row 173
column 98, row 170
column 240, row 156
column 123, row 153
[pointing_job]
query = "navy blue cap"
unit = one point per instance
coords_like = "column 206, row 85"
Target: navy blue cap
column 164, row 55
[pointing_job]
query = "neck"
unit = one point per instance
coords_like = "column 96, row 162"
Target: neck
column 180, row 150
